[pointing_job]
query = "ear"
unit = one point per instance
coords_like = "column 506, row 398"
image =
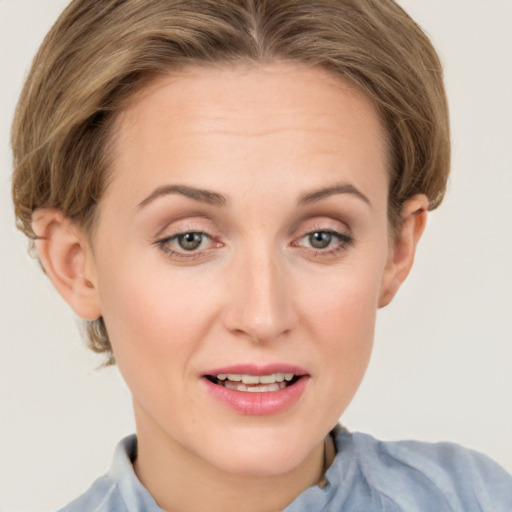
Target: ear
column 403, row 249
column 67, row 259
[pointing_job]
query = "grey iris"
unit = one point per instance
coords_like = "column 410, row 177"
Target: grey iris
column 190, row 241
column 320, row 239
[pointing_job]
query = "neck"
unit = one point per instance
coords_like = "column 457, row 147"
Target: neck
column 178, row 480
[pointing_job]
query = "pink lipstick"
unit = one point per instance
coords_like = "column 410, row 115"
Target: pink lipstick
column 257, row 390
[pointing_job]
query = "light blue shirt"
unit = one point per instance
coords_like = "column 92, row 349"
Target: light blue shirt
column 367, row 475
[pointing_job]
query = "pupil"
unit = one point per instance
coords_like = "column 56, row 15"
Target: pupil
column 320, row 239
column 190, row 241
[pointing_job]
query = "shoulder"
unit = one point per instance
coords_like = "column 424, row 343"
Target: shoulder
column 102, row 496
column 119, row 490
column 413, row 473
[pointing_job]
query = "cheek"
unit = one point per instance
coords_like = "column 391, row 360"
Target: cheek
column 153, row 312
column 345, row 308
column 341, row 320
column 156, row 325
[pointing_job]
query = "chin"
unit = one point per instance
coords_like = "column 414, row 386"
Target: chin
column 260, row 453
column 262, row 464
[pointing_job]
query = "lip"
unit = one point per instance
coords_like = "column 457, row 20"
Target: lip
column 254, row 369
column 257, row 404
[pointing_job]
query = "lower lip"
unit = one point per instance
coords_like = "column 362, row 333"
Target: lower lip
column 258, row 404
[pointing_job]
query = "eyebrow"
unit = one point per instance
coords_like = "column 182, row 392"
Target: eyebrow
column 198, row 194
column 341, row 188
column 216, row 199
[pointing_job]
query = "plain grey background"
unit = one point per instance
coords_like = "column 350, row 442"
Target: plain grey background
column 442, row 365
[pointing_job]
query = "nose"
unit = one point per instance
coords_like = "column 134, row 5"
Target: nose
column 260, row 304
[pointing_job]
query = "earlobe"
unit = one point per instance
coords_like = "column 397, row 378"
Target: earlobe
column 67, row 260
column 403, row 249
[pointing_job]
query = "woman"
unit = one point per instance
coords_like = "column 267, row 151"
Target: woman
column 249, row 183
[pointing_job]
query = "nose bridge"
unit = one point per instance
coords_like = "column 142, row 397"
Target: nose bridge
column 260, row 303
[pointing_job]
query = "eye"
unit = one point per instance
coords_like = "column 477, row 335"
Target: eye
column 324, row 242
column 188, row 243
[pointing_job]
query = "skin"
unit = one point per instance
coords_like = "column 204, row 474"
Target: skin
column 256, row 290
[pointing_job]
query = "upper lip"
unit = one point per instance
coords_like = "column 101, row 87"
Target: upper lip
column 252, row 369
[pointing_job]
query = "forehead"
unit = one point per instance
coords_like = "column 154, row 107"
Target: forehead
column 203, row 121
column 245, row 93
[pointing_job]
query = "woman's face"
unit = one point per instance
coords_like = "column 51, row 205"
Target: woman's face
column 244, row 233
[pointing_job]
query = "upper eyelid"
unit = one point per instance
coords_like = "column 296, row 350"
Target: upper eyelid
column 325, row 228
column 209, row 233
column 321, row 221
column 181, row 230
column 345, row 237
column 187, row 223
column 186, row 232
column 195, row 220
column 197, row 223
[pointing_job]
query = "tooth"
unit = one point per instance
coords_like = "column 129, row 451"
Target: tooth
column 235, row 386
column 262, row 388
column 225, row 378
column 250, row 379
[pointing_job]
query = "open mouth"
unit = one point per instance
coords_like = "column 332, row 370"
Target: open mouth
column 254, row 383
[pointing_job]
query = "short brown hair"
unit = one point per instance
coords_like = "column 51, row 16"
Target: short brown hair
column 100, row 53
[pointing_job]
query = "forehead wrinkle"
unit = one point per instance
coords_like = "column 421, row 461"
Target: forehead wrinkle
column 234, row 122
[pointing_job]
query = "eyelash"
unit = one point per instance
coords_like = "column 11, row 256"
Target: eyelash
column 345, row 240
